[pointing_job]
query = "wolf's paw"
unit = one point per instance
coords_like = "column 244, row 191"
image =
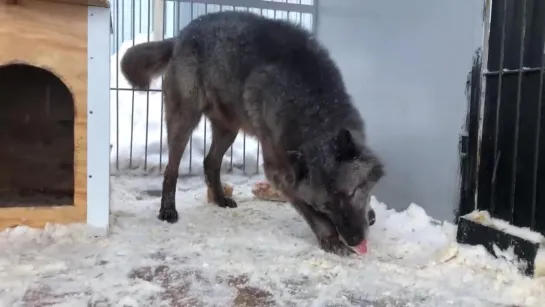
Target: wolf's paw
column 227, row 202
column 168, row 215
column 335, row 246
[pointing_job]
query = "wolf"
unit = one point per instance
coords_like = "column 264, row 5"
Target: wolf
column 273, row 80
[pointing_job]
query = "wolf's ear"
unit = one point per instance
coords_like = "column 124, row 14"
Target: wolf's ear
column 297, row 161
column 344, row 146
column 376, row 172
column 374, row 164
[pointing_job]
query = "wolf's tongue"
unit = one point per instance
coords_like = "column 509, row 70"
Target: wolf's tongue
column 361, row 248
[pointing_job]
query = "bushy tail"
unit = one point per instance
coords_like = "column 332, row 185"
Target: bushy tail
column 144, row 61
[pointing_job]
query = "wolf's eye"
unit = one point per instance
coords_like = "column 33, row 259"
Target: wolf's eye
column 358, row 188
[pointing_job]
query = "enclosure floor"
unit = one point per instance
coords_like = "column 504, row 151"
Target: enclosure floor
column 259, row 254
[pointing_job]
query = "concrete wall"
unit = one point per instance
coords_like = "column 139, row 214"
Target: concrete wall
column 406, row 65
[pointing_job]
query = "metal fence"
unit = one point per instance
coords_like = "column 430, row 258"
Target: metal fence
column 507, row 135
column 138, row 136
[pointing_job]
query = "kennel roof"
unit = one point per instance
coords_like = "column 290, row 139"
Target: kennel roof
column 101, row 3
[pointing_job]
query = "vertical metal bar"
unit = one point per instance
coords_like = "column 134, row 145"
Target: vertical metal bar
column 498, row 105
column 537, row 140
column 122, row 20
column 517, row 113
column 244, row 139
column 158, row 18
column 482, row 98
column 231, row 158
column 132, row 91
column 244, row 153
column 147, row 95
column 289, row 16
column 162, row 96
column 314, row 25
column 140, row 15
column 258, row 143
column 231, row 149
column 257, row 159
column 191, row 135
column 117, row 86
column 205, row 152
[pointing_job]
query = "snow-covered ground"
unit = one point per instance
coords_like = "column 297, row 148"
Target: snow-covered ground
column 259, row 254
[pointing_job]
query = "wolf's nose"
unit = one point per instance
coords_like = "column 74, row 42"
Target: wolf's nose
column 371, row 217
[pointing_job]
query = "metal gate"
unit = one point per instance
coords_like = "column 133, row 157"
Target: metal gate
column 503, row 166
column 138, row 135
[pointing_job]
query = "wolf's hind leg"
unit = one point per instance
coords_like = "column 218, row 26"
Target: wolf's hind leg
column 182, row 116
column 222, row 138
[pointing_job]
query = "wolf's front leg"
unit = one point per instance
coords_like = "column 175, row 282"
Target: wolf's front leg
column 325, row 232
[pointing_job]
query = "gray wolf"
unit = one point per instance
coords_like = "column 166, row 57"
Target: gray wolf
column 274, row 81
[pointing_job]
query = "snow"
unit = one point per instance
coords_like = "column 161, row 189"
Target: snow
column 261, row 252
column 539, row 263
column 149, row 150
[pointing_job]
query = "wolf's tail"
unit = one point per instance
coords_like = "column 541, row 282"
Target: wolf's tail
column 145, row 61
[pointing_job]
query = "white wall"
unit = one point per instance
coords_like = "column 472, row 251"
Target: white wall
column 406, row 65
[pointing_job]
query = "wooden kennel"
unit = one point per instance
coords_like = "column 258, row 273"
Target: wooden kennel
column 54, row 112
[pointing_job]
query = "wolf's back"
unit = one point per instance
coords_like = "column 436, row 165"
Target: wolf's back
column 144, row 61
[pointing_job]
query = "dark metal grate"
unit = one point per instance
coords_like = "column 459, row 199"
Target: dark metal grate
column 511, row 159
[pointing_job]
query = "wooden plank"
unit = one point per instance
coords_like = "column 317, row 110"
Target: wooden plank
column 38, row 217
column 52, row 36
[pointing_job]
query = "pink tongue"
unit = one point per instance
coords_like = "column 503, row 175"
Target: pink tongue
column 361, row 248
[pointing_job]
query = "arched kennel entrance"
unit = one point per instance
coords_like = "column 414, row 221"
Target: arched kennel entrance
column 36, row 138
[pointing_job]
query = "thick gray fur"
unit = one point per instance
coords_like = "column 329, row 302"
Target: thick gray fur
column 274, row 81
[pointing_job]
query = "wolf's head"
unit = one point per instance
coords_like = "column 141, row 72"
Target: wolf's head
column 336, row 178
